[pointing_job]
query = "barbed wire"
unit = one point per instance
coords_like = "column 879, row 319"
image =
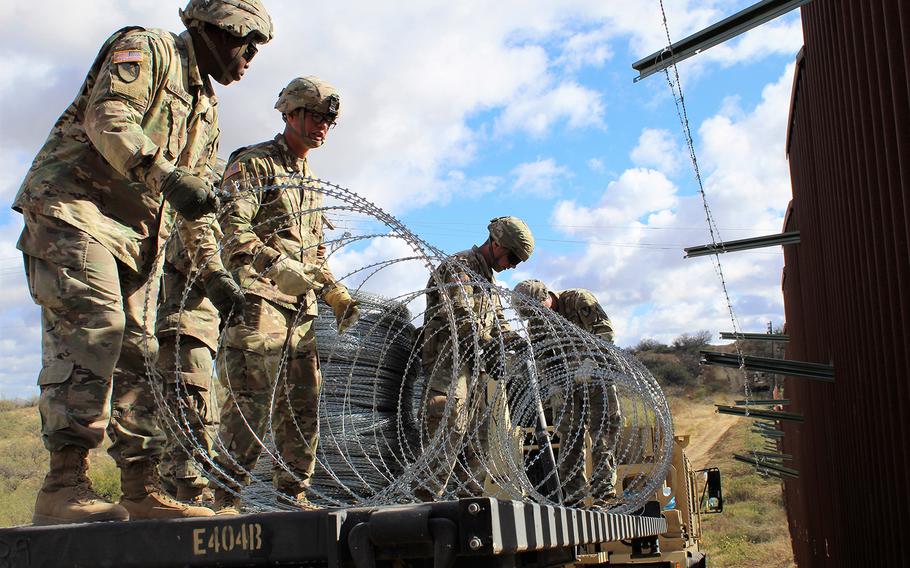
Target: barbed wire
column 378, row 444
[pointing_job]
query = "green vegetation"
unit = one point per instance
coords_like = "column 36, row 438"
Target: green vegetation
column 24, row 464
column 677, row 364
column 752, row 530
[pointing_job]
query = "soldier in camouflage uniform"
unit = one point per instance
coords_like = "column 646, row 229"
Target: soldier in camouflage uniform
column 593, row 406
column 274, row 244
column 453, row 400
column 191, row 414
column 137, row 143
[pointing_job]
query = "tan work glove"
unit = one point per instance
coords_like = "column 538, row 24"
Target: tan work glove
column 346, row 309
column 295, row 278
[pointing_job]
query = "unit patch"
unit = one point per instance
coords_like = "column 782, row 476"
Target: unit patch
column 233, row 169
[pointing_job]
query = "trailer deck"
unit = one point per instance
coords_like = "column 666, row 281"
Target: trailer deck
column 477, row 531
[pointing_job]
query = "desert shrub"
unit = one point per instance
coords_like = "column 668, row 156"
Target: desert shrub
column 652, row 345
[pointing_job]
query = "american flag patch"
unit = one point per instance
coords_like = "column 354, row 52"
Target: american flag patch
column 127, row 56
column 233, row 169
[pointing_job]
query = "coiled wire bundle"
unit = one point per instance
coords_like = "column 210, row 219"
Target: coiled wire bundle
column 528, row 396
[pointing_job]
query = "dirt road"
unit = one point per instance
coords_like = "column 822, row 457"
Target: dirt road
column 704, row 426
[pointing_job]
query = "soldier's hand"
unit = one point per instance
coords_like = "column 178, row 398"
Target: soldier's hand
column 345, row 308
column 223, row 291
column 191, row 196
column 514, row 342
column 295, row 278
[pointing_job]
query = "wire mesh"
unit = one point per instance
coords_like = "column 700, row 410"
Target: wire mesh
column 376, row 446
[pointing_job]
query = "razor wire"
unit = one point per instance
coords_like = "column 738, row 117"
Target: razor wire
column 398, row 426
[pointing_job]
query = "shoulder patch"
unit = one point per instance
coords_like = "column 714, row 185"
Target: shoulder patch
column 127, row 56
column 233, row 169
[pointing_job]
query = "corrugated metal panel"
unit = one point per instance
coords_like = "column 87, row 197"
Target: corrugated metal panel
column 847, row 285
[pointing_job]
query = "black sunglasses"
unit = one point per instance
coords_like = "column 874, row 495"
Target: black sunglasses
column 250, row 51
column 513, row 258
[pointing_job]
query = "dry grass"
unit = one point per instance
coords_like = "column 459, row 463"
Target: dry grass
column 24, row 464
column 752, row 530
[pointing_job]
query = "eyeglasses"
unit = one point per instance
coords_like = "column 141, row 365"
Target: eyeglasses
column 513, row 259
column 250, row 51
column 323, row 117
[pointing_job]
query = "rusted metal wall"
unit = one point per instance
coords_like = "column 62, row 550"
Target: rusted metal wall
column 847, row 285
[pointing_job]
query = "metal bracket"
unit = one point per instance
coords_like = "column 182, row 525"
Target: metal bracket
column 770, row 467
column 790, row 238
column 398, row 528
column 757, row 413
column 720, row 32
column 755, row 336
column 817, row 371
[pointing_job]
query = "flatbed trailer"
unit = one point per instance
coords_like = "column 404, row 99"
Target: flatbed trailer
column 472, row 532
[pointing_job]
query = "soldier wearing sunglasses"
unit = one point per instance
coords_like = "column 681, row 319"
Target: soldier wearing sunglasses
column 137, row 145
column 273, row 243
column 463, row 305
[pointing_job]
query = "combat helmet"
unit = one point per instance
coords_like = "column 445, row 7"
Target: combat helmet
column 514, row 234
column 310, row 93
column 237, row 17
column 533, row 288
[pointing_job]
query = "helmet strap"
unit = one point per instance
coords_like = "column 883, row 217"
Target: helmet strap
column 301, row 132
column 225, row 76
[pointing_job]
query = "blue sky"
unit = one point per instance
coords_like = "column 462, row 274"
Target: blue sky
column 454, row 114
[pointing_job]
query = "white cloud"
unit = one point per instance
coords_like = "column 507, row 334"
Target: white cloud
column 539, row 177
column 638, row 228
column 596, row 165
column 20, row 328
column 586, row 49
column 570, row 104
column 397, row 271
column 777, row 37
column 657, row 149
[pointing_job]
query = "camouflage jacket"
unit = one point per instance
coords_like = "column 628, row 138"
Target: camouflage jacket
column 580, row 307
column 263, row 225
column 474, row 307
column 143, row 110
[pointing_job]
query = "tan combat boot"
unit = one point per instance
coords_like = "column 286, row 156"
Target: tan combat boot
column 193, row 494
column 67, row 495
column 294, row 494
column 226, row 502
column 145, row 500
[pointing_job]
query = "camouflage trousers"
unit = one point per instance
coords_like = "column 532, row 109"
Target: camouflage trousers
column 190, row 418
column 94, row 332
column 593, row 408
column 265, row 397
column 455, row 412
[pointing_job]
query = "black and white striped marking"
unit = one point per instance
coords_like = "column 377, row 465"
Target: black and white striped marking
column 519, row 527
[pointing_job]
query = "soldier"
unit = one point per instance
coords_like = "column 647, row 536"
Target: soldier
column 594, row 404
column 194, row 319
column 453, row 400
column 139, row 140
column 274, row 243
